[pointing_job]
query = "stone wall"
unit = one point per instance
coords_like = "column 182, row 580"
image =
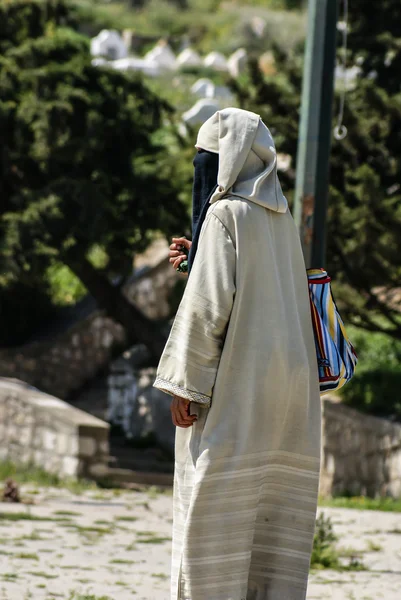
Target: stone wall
column 361, row 454
column 152, row 415
column 64, row 364
column 41, row 430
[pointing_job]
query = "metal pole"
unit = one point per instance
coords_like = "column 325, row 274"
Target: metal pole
column 310, row 204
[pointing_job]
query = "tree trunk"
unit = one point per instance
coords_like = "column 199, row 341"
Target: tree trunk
column 139, row 329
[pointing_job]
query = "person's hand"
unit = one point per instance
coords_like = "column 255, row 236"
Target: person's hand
column 176, row 254
column 180, row 412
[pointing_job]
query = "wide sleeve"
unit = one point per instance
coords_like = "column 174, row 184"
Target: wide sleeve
column 191, row 356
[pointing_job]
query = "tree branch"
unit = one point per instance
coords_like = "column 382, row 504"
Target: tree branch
column 138, row 327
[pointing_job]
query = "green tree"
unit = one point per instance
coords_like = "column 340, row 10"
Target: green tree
column 364, row 217
column 81, row 163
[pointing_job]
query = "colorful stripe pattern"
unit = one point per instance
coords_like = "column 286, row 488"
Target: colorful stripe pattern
column 336, row 356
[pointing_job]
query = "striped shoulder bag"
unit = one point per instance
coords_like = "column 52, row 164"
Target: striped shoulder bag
column 336, row 356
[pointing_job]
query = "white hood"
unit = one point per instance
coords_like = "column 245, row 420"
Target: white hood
column 247, row 158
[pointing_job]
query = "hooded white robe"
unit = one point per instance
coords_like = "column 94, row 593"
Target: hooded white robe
column 242, row 350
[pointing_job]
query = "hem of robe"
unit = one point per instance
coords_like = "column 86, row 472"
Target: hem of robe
column 176, row 390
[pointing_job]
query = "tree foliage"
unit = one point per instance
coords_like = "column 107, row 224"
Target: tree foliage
column 364, row 217
column 80, row 161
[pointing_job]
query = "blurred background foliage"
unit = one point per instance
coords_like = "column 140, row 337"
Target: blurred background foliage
column 94, row 166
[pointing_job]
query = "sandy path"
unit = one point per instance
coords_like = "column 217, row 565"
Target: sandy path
column 116, row 546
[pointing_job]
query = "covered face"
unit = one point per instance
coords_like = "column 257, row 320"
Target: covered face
column 247, row 158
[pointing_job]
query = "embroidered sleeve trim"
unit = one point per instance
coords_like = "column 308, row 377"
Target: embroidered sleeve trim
column 176, row 390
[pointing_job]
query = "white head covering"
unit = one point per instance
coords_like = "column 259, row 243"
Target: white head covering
column 247, row 158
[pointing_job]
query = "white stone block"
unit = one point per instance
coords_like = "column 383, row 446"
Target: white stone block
column 25, row 436
column 70, row 466
column 74, row 445
column 49, row 440
column 330, row 464
column 63, row 443
column 39, row 458
column 12, row 433
column 3, row 453
column 87, row 446
column 99, row 470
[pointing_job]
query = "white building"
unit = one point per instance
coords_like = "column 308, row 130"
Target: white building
column 189, row 58
column 163, row 56
column 109, row 44
column 216, row 61
column 147, row 67
column 200, row 87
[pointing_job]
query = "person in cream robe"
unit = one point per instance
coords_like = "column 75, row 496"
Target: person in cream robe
column 241, row 350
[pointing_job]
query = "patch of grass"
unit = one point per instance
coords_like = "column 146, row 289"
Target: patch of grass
column 349, row 553
column 131, row 547
column 363, row 503
column 373, row 546
column 154, row 492
column 103, row 522
column 10, row 576
column 42, row 574
column 67, row 513
column 38, row 476
column 154, row 540
column 326, row 555
column 92, row 529
column 34, row 536
column 76, row 596
column 27, row 474
column 21, row 516
column 121, row 561
column 396, row 530
column 28, row 516
column 160, row 575
column 126, row 518
column 27, row 556
column 100, row 496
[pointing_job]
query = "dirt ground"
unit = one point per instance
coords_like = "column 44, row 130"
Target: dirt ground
column 113, row 545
